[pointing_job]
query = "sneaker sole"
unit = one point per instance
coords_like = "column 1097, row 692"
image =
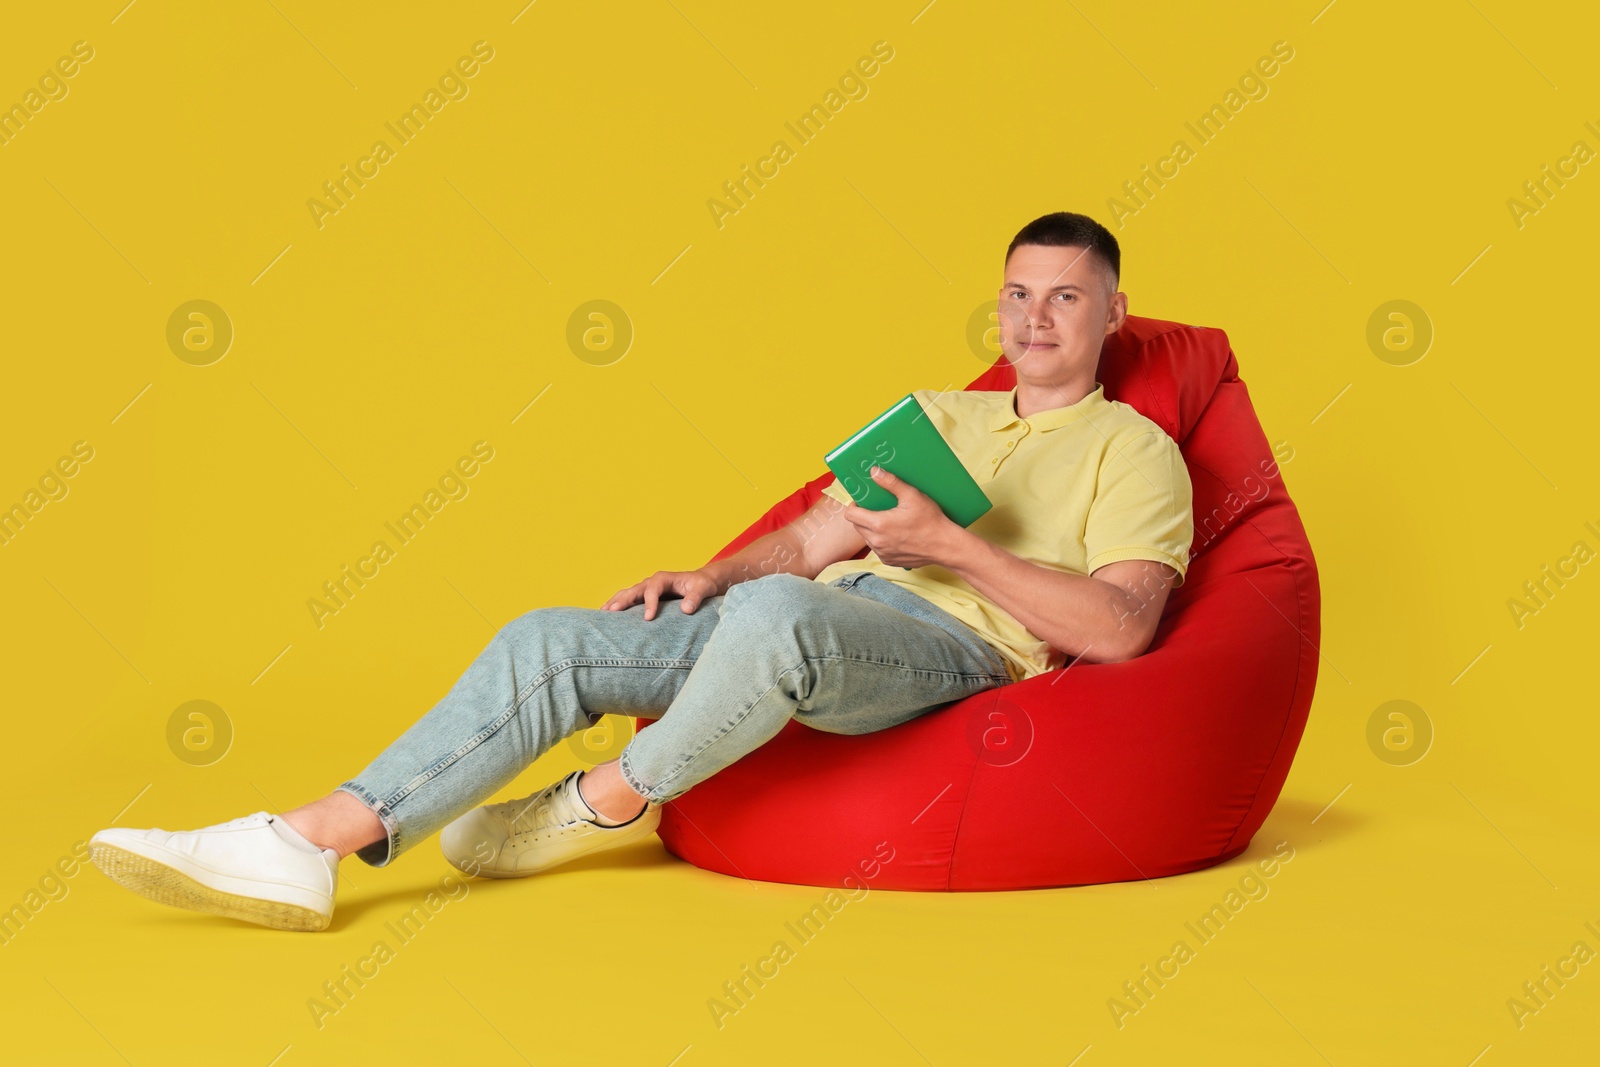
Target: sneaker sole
column 168, row 885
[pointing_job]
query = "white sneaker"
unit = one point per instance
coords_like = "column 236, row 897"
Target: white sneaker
column 244, row 869
column 515, row 838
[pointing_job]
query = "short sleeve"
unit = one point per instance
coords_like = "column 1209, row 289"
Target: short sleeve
column 837, row 491
column 1143, row 506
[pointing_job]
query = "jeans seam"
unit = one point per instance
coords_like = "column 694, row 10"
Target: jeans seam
column 845, row 656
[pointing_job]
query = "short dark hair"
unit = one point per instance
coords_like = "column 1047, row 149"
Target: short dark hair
column 1065, row 228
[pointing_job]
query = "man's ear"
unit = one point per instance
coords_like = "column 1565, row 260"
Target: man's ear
column 1116, row 313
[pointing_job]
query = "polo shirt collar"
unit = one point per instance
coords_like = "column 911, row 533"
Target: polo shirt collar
column 1006, row 412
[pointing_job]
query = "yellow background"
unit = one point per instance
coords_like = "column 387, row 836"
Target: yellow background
column 432, row 310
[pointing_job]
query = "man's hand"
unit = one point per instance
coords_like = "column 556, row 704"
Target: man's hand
column 914, row 533
column 692, row 586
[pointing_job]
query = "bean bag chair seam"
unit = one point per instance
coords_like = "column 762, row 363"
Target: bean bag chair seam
column 961, row 819
column 1155, row 400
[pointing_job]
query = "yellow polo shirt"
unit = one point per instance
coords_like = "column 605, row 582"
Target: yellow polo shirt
column 1074, row 488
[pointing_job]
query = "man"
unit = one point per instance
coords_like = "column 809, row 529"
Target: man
column 1091, row 526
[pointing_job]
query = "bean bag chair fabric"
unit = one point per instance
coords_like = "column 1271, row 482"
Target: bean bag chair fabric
column 1092, row 773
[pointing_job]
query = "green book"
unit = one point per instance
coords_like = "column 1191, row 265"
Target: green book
column 904, row 442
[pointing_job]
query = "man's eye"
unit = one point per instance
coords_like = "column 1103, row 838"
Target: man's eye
column 1067, row 296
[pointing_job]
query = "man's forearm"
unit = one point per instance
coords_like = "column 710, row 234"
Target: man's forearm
column 1078, row 615
column 779, row 551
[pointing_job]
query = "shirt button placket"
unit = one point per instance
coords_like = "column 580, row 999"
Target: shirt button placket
column 1010, row 446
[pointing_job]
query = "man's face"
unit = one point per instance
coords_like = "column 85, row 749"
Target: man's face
column 1056, row 309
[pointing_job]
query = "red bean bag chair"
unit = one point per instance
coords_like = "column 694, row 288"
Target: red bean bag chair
column 1092, row 773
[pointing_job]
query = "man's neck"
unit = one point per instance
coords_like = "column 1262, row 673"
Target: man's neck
column 1034, row 397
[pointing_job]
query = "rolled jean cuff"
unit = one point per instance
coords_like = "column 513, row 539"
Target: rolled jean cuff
column 638, row 786
column 380, row 852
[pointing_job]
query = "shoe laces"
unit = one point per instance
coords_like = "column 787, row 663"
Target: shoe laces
column 547, row 809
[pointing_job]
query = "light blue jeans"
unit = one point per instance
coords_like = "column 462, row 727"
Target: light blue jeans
column 851, row 656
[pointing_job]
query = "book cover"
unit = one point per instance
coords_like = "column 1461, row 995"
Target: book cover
column 905, row 442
